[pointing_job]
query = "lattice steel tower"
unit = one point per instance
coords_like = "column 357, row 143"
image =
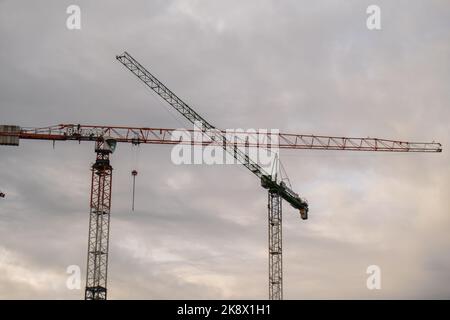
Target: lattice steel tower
column 275, row 246
column 99, row 218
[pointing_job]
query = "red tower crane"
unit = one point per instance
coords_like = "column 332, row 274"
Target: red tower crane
column 105, row 139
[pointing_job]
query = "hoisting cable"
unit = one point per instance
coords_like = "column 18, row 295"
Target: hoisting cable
column 134, row 171
column 134, row 174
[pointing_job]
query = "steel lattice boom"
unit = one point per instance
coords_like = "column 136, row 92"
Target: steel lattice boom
column 267, row 181
column 137, row 135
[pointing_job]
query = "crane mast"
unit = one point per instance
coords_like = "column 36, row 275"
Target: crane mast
column 99, row 222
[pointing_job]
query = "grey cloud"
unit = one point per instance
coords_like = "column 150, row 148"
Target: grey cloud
column 199, row 231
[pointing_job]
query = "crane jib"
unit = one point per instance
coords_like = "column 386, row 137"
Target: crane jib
column 192, row 116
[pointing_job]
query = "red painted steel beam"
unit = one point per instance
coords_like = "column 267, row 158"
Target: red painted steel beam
column 145, row 135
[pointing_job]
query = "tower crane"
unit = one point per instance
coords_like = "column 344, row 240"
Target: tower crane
column 276, row 190
column 105, row 139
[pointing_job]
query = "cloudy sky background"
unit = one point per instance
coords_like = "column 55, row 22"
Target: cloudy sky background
column 201, row 231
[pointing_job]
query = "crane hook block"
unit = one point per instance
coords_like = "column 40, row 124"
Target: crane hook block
column 304, row 213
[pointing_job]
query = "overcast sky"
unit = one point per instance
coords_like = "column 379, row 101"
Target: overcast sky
column 201, row 231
